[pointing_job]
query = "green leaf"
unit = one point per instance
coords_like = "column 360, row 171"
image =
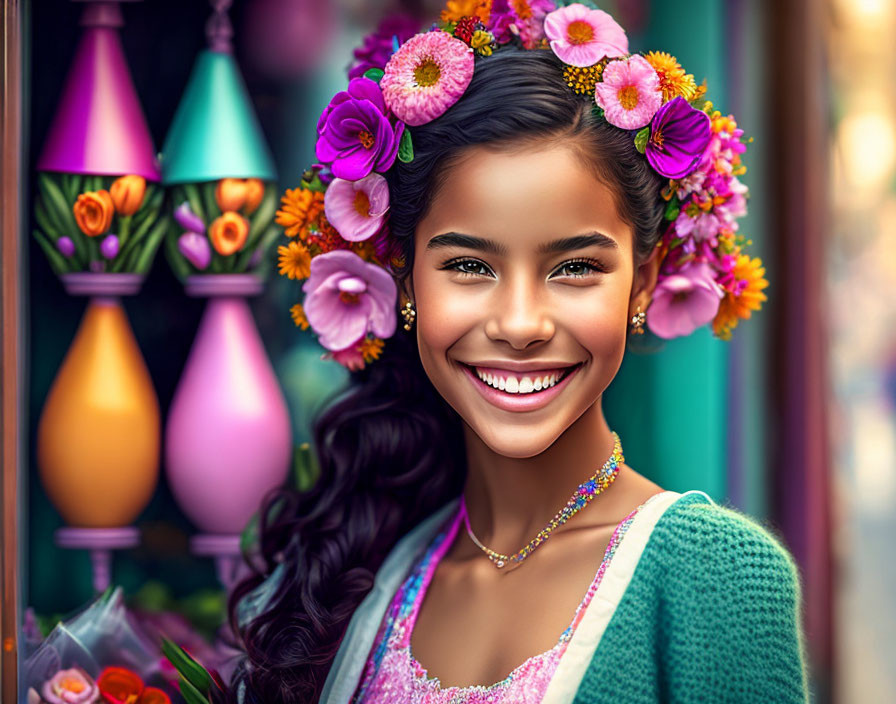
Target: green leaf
column 144, row 259
column 192, row 672
column 406, row 148
column 641, row 139
column 305, row 467
column 374, row 74
column 212, row 210
column 181, row 266
column 59, row 210
column 673, row 208
column 191, row 191
column 190, row 694
column 59, row 263
column 259, row 221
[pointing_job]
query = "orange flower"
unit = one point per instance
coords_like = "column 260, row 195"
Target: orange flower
column 254, row 194
column 457, row 9
column 298, row 316
column 673, row 80
column 733, row 308
column 127, row 194
column 152, row 695
column 118, row 684
column 93, row 212
column 295, row 261
column 370, row 348
column 230, row 194
column 302, row 211
column 228, row 233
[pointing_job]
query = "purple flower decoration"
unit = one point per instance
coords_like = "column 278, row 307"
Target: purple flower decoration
column 679, row 134
column 378, row 47
column 355, row 134
column 196, row 249
column 65, row 246
column 187, row 219
column 109, row 246
column 346, row 297
column 72, row 686
column 684, row 301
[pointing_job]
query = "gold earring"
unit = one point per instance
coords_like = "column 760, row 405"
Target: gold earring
column 636, row 326
column 409, row 315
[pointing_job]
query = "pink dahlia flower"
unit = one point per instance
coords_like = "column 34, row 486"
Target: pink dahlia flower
column 581, row 36
column 629, row 92
column 684, row 301
column 357, row 208
column 72, row 686
column 426, row 76
column 346, row 297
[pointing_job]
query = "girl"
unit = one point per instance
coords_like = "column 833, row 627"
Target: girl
column 475, row 534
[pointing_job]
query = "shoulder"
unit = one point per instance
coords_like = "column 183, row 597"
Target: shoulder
column 716, row 554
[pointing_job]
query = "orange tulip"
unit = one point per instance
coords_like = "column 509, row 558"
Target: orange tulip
column 120, row 685
column 127, row 194
column 230, row 194
column 228, row 233
column 254, row 194
column 93, row 212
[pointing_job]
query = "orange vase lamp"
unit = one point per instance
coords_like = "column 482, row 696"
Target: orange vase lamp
column 99, row 433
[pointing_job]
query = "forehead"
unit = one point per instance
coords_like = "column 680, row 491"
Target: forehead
column 523, row 197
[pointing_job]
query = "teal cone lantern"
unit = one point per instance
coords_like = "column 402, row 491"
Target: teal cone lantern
column 218, row 167
column 215, row 133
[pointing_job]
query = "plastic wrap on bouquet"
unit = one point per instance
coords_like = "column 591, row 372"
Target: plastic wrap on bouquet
column 100, row 648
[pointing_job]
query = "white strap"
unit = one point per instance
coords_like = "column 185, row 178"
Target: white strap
column 587, row 635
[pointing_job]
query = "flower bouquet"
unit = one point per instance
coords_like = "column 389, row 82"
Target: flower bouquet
column 99, row 655
column 98, row 223
column 222, row 226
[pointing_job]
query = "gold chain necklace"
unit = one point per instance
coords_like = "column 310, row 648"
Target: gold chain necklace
column 584, row 494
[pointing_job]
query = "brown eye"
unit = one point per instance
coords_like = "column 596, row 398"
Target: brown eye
column 469, row 267
column 579, row 269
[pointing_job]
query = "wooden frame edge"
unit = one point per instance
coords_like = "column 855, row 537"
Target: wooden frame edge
column 11, row 360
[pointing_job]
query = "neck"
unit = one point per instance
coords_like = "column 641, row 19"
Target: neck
column 510, row 499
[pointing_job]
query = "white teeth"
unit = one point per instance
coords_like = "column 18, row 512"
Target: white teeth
column 513, row 385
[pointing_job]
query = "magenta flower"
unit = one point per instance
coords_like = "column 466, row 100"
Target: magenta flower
column 187, row 219
column 581, row 36
column 66, row 246
column 684, row 301
column 679, row 134
column 701, row 225
column 109, row 246
column 426, row 76
column 357, row 208
column 377, row 47
column 196, row 249
column 354, row 133
column 525, row 19
column 347, row 297
column 351, row 357
column 629, row 92
column 72, row 686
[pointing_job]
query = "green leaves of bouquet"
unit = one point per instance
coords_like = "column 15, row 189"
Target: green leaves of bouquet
column 98, row 223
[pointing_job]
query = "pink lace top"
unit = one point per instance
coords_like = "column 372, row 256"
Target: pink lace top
column 393, row 674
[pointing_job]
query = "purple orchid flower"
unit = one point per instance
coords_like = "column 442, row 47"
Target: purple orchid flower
column 196, row 249
column 65, row 246
column 355, row 134
column 109, row 246
column 187, row 219
column 346, row 297
column 679, row 134
column 684, row 301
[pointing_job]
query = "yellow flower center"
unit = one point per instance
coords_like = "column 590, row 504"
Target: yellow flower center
column 427, row 73
column 656, row 138
column 350, row 298
column 366, row 138
column 579, row 32
column 72, row 684
column 362, row 203
column 628, row 97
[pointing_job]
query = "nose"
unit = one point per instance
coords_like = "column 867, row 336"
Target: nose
column 520, row 314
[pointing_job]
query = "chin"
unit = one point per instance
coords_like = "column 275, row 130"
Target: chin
column 518, row 442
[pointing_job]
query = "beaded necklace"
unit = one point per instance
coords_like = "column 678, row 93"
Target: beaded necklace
column 584, row 494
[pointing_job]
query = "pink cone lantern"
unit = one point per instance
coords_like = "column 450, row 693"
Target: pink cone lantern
column 99, row 126
column 228, row 438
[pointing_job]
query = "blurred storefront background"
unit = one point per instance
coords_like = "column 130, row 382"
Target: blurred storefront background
column 793, row 421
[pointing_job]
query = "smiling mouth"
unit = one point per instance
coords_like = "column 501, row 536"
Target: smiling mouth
column 521, row 383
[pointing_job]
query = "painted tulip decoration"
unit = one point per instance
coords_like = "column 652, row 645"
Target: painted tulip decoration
column 221, row 227
column 98, row 223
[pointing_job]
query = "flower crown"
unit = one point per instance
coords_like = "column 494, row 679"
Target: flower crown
column 337, row 218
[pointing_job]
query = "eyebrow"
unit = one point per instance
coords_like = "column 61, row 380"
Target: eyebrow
column 567, row 244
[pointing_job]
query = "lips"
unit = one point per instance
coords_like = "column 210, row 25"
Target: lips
column 514, row 390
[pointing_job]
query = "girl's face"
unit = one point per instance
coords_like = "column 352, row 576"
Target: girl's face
column 524, row 283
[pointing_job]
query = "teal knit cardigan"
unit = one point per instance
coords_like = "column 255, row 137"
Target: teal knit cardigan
column 713, row 613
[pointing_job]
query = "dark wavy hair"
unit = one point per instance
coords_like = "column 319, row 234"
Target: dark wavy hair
column 390, row 449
